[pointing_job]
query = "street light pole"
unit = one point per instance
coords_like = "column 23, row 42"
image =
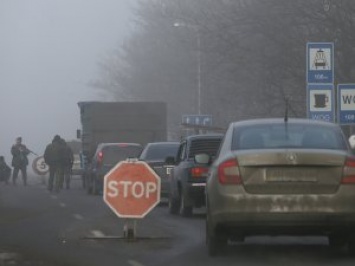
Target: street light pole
column 198, row 72
column 199, row 82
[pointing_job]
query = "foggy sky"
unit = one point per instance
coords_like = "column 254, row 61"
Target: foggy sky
column 49, row 50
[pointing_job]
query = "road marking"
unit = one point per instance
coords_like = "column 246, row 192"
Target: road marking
column 54, row 197
column 78, row 216
column 135, row 263
column 97, row 233
column 63, row 205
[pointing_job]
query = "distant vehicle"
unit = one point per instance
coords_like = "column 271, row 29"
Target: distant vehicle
column 281, row 177
column 155, row 154
column 107, row 155
column 77, row 168
column 119, row 122
column 188, row 177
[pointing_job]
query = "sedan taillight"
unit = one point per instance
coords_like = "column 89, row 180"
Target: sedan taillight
column 198, row 171
column 349, row 171
column 228, row 173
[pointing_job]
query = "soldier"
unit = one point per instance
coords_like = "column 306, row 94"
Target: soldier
column 5, row 170
column 19, row 153
column 53, row 157
column 67, row 161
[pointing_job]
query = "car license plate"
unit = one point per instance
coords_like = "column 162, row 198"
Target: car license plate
column 291, row 175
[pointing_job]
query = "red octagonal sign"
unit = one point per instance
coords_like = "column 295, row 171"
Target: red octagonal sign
column 131, row 189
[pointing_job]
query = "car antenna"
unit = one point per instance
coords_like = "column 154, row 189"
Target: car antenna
column 286, row 110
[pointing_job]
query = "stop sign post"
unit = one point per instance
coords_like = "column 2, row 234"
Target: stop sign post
column 131, row 189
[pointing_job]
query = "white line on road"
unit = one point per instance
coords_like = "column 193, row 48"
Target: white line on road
column 63, row 205
column 135, row 263
column 97, row 233
column 78, row 216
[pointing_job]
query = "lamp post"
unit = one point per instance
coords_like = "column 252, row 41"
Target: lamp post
column 198, row 37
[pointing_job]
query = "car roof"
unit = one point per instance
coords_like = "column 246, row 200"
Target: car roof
column 102, row 145
column 282, row 120
column 163, row 143
column 203, row 136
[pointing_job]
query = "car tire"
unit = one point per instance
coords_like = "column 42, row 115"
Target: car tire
column 88, row 185
column 338, row 242
column 215, row 243
column 185, row 211
column 173, row 205
column 94, row 187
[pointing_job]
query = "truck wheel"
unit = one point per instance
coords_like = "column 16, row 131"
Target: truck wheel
column 185, row 211
column 173, row 205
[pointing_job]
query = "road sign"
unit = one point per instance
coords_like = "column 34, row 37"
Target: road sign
column 202, row 120
column 39, row 166
column 320, row 102
column 320, row 62
column 346, row 103
column 131, row 189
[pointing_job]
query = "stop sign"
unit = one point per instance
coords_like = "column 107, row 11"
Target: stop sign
column 131, row 189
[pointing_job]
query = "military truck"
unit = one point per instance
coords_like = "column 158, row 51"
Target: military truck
column 121, row 122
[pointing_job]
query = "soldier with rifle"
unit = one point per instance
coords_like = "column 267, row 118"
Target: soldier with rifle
column 19, row 153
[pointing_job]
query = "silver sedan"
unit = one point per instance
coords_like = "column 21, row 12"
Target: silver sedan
column 281, row 177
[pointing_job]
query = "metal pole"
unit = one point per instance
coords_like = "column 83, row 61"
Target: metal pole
column 198, row 71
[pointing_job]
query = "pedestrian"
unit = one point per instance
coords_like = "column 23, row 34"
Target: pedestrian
column 5, row 170
column 53, row 155
column 67, row 161
column 19, row 153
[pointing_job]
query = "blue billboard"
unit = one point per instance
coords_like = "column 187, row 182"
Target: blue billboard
column 320, row 62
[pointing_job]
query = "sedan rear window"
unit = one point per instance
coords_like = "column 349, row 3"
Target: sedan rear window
column 275, row 136
column 114, row 154
column 159, row 152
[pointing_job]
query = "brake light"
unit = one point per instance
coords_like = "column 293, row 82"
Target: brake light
column 198, row 171
column 349, row 171
column 122, row 145
column 100, row 157
column 228, row 173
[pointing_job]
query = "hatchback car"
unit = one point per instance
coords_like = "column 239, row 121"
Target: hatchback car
column 188, row 177
column 155, row 154
column 107, row 155
column 281, row 177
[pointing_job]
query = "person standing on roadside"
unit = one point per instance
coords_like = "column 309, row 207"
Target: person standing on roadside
column 5, row 170
column 67, row 161
column 19, row 153
column 53, row 157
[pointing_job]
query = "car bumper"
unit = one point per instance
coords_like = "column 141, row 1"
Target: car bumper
column 195, row 194
column 283, row 213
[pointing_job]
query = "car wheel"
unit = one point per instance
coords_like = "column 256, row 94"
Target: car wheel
column 215, row 243
column 95, row 190
column 83, row 181
column 338, row 242
column 88, row 185
column 185, row 211
column 173, row 205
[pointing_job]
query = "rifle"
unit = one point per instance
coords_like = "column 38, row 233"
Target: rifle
column 32, row 152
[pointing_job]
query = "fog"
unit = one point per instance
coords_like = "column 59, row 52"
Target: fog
column 49, row 51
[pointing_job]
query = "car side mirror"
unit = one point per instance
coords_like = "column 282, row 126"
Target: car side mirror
column 202, row 158
column 170, row 160
column 352, row 141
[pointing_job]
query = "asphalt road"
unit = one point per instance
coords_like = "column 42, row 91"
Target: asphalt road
column 73, row 228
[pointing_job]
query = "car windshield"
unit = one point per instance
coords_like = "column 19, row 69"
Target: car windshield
column 114, row 154
column 275, row 136
column 159, row 152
